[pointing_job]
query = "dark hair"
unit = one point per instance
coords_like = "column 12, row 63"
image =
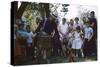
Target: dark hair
column 92, row 12
column 76, row 18
column 78, row 28
column 71, row 19
column 28, row 26
column 64, row 19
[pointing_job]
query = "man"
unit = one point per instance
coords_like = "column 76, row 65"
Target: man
column 63, row 31
column 93, row 23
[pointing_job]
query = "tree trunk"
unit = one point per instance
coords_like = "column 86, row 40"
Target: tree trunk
column 21, row 10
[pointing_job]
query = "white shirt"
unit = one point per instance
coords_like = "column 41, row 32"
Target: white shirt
column 29, row 35
column 88, row 32
column 63, row 28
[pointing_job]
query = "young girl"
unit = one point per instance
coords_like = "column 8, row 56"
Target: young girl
column 77, row 42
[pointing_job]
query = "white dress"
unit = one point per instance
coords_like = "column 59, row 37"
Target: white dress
column 77, row 41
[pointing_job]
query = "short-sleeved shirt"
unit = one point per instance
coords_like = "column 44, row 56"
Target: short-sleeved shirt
column 29, row 39
column 88, row 31
column 22, row 33
column 63, row 28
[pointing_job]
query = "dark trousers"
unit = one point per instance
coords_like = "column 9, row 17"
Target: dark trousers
column 86, row 48
column 56, row 45
column 89, row 47
column 30, row 52
column 93, row 47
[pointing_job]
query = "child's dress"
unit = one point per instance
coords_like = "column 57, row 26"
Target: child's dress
column 77, row 41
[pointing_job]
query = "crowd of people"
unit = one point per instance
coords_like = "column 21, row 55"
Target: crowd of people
column 69, row 39
column 80, row 37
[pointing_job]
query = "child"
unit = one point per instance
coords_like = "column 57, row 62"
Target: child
column 70, row 38
column 29, row 42
column 77, row 42
column 69, row 49
column 63, row 31
column 22, row 39
column 88, row 32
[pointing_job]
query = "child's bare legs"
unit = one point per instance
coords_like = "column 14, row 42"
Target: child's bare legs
column 75, row 52
column 82, row 54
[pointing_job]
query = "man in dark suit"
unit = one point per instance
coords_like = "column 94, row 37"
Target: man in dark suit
column 93, row 41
